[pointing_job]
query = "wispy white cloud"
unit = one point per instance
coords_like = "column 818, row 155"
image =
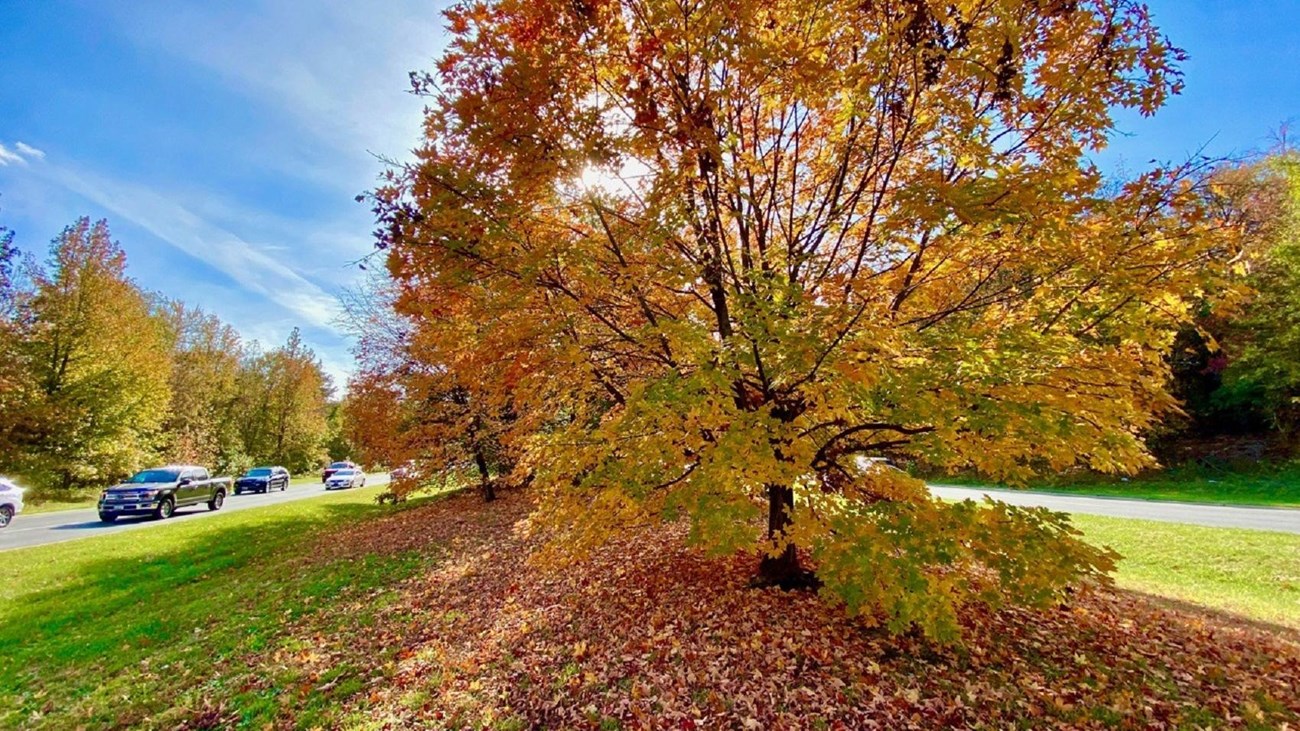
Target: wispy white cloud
column 323, row 247
column 339, row 72
column 175, row 223
column 28, row 151
column 22, row 154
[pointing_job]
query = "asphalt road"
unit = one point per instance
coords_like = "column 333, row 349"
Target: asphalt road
column 1286, row 520
column 67, row 525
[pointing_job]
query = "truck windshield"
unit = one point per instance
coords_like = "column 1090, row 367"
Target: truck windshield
column 154, row 476
column 259, row 472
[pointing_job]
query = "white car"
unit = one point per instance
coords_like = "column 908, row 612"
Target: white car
column 345, row 478
column 11, row 501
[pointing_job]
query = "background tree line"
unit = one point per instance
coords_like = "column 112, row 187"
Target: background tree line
column 99, row 377
column 1237, row 369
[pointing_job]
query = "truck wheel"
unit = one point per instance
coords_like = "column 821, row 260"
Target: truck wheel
column 107, row 518
column 217, row 500
column 6, row 515
column 165, row 509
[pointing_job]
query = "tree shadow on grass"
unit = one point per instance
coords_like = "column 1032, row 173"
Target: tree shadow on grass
column 107, row 527
column 1220, row 616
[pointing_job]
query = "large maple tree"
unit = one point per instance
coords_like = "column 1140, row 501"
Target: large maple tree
column 713, row 254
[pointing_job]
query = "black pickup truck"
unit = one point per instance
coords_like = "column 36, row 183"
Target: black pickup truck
column 161, row 490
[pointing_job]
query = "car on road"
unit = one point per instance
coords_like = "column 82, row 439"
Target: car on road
column 11, row 501
column 161, row 490
column 335, row 467
column 345, row 478
column 262, row 479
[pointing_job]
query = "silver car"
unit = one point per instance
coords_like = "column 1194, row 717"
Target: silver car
column 345, row 478
column 11, row 501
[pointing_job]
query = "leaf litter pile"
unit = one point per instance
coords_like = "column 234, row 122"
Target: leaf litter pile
column 649, row 634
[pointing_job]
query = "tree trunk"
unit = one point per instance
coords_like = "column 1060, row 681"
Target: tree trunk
column 489, row 492
column 784, row 569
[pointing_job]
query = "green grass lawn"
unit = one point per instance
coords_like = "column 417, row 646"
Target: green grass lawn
column 107, row 631
column 1255, row 574
column 1261, row 485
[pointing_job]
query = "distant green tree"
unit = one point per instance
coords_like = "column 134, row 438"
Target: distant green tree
column 1265, row 372
column 283, row 406
column 100, row 360
column 337, row 444
column 202, row 420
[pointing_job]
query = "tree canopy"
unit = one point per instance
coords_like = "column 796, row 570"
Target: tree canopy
column 713, row 255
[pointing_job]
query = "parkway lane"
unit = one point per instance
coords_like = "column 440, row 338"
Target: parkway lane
column 1286, row 520
column 66, row 525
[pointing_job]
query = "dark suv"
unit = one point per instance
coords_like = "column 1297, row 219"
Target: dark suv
column 262, row 479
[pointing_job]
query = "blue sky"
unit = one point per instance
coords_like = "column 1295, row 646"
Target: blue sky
column 225, row 142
